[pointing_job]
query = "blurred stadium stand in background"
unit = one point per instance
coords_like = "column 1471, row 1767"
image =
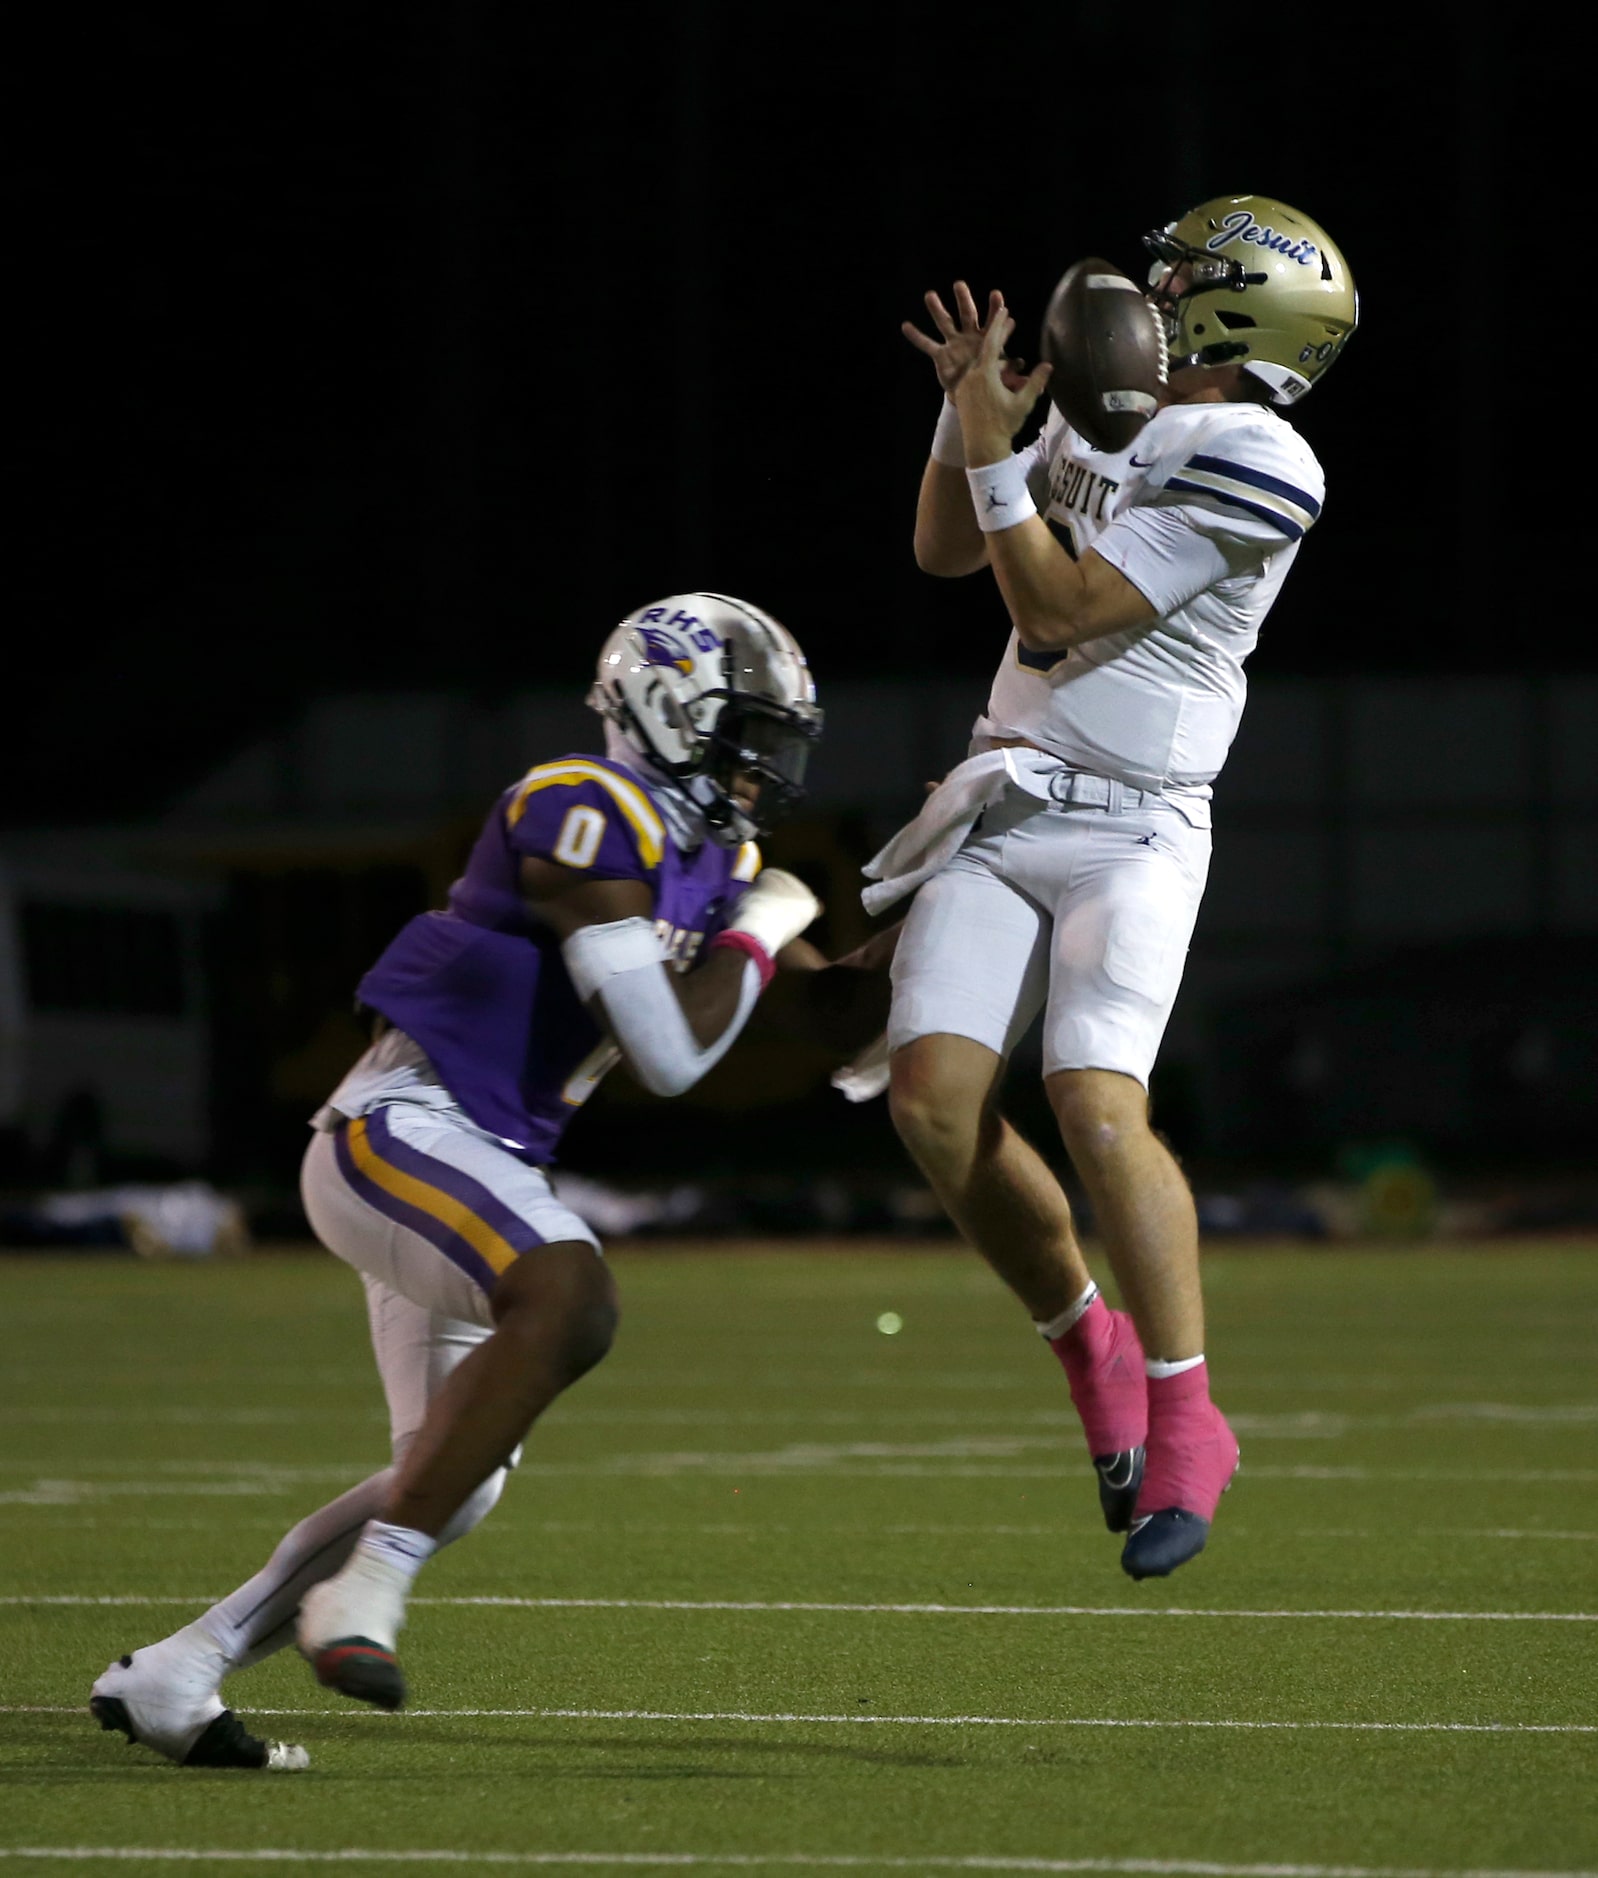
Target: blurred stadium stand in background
column 1396, row 954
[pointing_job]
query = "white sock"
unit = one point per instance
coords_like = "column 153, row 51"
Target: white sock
column 1073, row 1313
column 258, row 1619
column 401, row 1548
column 1157, row 1371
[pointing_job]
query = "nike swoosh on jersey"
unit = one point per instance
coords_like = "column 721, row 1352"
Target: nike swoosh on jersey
column 1282, row 504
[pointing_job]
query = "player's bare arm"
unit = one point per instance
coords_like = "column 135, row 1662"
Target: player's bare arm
column 1055, row 602
column 842, row 1003
column 948, row 542
column 565, row 901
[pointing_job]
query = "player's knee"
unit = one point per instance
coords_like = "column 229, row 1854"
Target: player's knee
column 587, row 1316
column 561, row 1301
column 1100, row 1115
column 933, row 1128
column 590, row 1332
column 938, row 1115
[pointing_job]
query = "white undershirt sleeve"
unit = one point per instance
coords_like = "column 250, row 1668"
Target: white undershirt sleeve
column 623, row 965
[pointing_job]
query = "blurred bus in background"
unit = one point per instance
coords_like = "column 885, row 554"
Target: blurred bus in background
column 105, row 1040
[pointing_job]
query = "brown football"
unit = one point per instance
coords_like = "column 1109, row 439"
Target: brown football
column 1107, row 348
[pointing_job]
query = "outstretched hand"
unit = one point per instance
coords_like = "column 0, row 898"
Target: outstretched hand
column 993, row 393
column 994, row 399
column 955, row 351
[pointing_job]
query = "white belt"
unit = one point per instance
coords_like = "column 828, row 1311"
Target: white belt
column 1076, row 788
column 927, row 844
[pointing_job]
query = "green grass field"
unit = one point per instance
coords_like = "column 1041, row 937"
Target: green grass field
column 775, row 1590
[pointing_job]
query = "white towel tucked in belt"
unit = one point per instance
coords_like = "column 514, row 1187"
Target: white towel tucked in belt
column 948, row 815
column 924, row 846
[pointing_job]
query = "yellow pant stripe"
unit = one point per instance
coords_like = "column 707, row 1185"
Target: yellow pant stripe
column 426, row 1198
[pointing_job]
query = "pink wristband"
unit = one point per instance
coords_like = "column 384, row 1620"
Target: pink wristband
column 751, row 947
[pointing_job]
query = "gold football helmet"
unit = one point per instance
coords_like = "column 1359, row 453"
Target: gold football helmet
column 1246, row 277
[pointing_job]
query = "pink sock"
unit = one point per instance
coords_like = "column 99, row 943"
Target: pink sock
column 1103, row 1363
column 1192, row 1452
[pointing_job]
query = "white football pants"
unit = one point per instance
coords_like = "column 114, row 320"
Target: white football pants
column 1081, row 910
column 415, row 1350
column 428, row 1211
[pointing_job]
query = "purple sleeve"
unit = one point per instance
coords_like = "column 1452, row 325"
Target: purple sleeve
column 606, row 829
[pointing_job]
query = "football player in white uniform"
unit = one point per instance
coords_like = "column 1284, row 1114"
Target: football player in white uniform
column 1059, row 869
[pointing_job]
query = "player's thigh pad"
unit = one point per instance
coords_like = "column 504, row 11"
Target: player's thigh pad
column 416, row 1350
column 409, row 1198
column 1125, row 891
column 973, row 959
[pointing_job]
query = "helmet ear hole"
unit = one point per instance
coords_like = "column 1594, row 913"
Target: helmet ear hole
column 671, row 709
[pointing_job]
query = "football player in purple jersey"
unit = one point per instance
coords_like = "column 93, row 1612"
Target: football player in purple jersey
column 614, row 908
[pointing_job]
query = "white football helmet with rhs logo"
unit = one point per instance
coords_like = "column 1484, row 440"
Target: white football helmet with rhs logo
column 1246, row 277
column 703, row 688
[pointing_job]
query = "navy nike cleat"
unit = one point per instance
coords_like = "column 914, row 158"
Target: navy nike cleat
column 1193, row 1460
column 1120, row 1476
column 1159, row 1542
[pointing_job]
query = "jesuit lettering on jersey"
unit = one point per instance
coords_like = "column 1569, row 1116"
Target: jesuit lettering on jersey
column 1073, row 485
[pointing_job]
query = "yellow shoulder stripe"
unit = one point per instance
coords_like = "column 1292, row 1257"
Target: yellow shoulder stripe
column 628, row 797
column 747, row 864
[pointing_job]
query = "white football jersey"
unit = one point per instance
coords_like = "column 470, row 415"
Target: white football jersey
column 1203, row 514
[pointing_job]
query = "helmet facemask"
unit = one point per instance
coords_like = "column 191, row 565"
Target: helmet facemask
column 1201, row 274
column 761, row 742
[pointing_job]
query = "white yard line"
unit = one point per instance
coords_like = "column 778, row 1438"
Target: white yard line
column 75, row 1492
column 826, row 1861
column 784, row 1719
column 1532, row 1476
column 280, row 1482
column 1307, row 1424
column 508, row 1525
column 826, row 1607
column 975, row 1460
column 984, row 1458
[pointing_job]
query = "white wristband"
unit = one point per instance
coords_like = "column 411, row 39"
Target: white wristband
column 948, row 444
column 999, row 494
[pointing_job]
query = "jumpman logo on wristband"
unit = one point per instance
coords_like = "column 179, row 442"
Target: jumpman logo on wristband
column 994, row 502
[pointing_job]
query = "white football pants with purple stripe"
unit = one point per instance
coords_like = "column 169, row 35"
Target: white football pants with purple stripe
column 427, row 1213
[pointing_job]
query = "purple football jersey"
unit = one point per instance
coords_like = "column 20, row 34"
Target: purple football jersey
column 482, row 987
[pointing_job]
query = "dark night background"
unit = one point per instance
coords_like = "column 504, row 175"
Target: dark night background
column 363, row 349
column 367, row 346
